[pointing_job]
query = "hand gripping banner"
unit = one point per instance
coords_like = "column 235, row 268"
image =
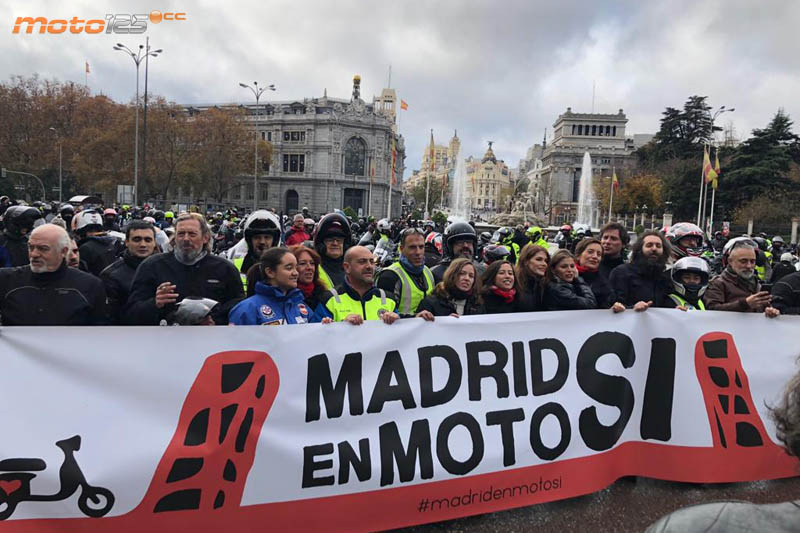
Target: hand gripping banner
column 357, row 428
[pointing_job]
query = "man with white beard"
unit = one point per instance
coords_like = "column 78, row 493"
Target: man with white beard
column 47, row 292
column 738, row 288
column 189, row 271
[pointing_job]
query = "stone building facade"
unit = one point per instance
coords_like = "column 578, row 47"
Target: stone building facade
column 328, row 153
column 554, row 170
column 488, row 183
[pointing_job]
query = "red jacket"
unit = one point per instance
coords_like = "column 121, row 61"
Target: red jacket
column 294, row 236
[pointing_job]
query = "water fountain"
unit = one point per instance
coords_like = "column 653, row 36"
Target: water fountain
column 459, row 207
column 586, row 201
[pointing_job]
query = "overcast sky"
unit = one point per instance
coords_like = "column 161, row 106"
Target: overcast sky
column 493, row 70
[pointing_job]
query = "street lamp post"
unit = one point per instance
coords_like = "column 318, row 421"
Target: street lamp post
column 257, row 92
column 60, row 145
column 701, row 205
column 147, row 55
column 717, row 113
column 137, row 59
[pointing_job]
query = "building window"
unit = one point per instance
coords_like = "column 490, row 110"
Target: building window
column 580, row 129
column 608, row 131
column 294, row 163
column 594, row 130
column 355, row 154
column 250, row 191
column 586, row 130
column 573, row 129
column 614, row 131
column 263, row 192
column 292, row 200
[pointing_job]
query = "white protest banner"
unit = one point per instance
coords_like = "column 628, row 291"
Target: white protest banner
column 354, row 428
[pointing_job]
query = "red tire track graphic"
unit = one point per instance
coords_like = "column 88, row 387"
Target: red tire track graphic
column 206, row 464
column 732, row 415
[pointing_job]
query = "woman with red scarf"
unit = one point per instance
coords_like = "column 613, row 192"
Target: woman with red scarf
column 308, row 275
column 565, row 288
column 589, row 255
column 499, row 291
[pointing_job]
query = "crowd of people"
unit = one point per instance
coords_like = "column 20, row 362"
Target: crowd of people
column 71, row 265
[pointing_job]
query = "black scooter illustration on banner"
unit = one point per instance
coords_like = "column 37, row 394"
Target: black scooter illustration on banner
column 15, row 486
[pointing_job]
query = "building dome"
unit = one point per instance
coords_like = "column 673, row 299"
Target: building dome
column 489, row 155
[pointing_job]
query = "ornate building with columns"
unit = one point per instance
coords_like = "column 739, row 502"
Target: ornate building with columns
column 328, row 153
column 554, row 170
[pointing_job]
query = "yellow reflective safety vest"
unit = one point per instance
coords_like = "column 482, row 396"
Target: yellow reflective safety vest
column 238, row 262
column 681, row 301
column 373, row 304
column 324, row 278
column 411, row 294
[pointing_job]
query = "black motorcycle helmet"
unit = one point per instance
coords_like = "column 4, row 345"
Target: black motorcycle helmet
column 485, row 237
column 66, row 212
column 330, row 225
column 19, row 220
column 495, row 252
column 458, row 231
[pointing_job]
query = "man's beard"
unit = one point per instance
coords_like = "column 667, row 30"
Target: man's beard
column 746, row 274
column 650, row 262
column 188, row 256
column 39, row 269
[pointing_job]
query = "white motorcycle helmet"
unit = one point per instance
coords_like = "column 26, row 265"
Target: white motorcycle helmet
column 694, row 265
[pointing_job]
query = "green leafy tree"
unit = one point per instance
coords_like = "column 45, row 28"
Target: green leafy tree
column 762, row 165
column 676, row 154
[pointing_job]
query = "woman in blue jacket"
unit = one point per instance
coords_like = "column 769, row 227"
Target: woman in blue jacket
column 277, row 299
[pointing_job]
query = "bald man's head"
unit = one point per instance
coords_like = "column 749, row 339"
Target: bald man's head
column 359, row 266
column 48, row 246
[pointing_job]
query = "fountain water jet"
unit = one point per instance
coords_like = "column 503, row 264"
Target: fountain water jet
column 458, row 195
column 586, row 201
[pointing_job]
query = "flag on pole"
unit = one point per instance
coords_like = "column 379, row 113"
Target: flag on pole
column 615, row 181
column 432, row 154
column 394, row 158
column 403, row 105
column 709, row 174
column 717, row 170
column 87, row 68
column 371, row 171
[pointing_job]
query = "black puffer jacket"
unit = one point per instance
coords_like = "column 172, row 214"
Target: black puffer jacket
column 601, row 288
column 564, row 296
column 443, row 306
column 118, row 280
column 533, row 298
column 632, row 283
column 66, row 297
column 786, row 294
column 607, row 264
column 211, row 277
column 99, row 252
column 494, row 304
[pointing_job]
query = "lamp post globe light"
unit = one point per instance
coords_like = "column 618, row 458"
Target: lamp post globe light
column 257, row 92
column 137, row 59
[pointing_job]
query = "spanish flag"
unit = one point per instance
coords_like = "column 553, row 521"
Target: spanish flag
column 87, row 68
column 717, row 170
column 615, row 181
column 708, row 171
column 403, row 105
